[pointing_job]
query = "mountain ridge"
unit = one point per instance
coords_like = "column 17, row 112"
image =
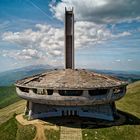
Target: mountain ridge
column 9, row 77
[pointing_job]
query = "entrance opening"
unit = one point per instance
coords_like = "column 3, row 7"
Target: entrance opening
column 75, row 112
column 63, row 113
column 71, row 113
column 67, row 114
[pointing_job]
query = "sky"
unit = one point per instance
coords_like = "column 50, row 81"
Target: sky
column 107, row 33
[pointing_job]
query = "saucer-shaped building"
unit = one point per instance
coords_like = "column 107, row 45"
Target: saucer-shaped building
column 71, row 92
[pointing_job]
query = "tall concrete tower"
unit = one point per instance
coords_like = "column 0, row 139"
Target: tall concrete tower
column 69, row 39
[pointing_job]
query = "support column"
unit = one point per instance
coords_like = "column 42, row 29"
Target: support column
column 85, row 93
column 109, row 95
column 72, row 112
column 26, row 111
column 30, row 110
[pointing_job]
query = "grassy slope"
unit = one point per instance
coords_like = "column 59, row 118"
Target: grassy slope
column 8, row 130
column 11, row 130
column 25, row 132
column 10, row 103
column 7, row 112
column 52, row 134
column 8, row 96
column 131, row 102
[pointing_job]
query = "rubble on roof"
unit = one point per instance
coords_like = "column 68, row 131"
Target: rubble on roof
column 70, row 79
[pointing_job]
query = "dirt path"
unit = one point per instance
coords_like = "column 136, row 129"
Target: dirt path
column 40, row 135
column 39, row 124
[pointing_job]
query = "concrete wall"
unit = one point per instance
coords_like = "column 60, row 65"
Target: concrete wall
column 56, row 99
column 98, row 111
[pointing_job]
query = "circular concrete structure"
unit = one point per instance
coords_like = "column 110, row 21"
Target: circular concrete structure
column 71, row 88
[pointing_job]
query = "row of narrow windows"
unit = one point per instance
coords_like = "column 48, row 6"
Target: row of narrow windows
column 70, row 92
column 97, row 92
column 24, row 89
column 73, row 92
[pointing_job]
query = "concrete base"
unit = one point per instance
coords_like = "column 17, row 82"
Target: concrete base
column 103, row 111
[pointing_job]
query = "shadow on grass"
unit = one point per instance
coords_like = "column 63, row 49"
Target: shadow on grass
column 78, row 122
column 129, row 118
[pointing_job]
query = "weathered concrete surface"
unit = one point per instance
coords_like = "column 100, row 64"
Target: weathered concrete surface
column 102, row 111
column 70, row 79
column 70, row 133
column 84, row 99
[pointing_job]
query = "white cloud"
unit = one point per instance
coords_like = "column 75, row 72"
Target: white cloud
column 47, row 42
column 118, row 60
column 129, row 60
column 24, row 54
column 100, row 11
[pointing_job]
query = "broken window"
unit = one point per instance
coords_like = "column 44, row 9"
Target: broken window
column 49, row 91
column 97, row 92
column 70, row 92
column 35, row 90
column 118, row 90
column 24, row 89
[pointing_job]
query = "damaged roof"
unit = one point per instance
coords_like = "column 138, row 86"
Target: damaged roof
column 70, row 79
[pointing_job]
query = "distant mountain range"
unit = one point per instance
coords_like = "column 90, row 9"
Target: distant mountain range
column 129, row 76
column 9, row 77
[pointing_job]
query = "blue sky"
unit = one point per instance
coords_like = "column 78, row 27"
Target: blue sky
column 31, row 32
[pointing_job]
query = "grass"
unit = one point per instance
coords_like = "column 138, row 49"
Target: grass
column 7, row 112
column 8, row 96
column 8, row 130
column 25, row 132
column 12, row 130
column 131, row 102
column 10, row 103
column 52, row 134
column 129, row 131
column 126, row 132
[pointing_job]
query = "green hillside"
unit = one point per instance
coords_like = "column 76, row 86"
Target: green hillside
column 131, row 102
column 8, row 96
